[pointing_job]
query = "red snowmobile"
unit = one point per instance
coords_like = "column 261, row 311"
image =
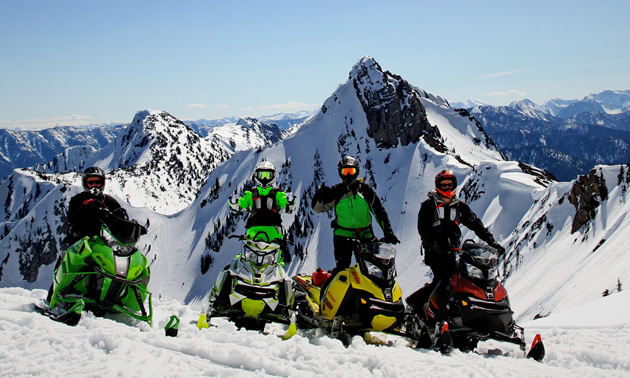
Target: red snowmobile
column 473, row 305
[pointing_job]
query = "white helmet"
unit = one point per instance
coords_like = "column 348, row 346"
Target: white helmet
column 265, row 174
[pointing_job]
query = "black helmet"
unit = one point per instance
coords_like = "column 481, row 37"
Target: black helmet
column 348, row 169
column 93, row 172
column 265, row 174
column 443, row 176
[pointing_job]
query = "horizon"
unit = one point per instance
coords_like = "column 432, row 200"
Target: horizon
column 76, row 64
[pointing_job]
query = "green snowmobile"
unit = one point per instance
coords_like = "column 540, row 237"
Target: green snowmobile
column 103, row 273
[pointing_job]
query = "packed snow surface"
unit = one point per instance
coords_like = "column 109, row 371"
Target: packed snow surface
column 587, row 341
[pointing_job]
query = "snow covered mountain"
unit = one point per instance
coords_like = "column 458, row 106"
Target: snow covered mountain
column 402, row 135
column 20, row 149
column 246, row 133
column 609, row 102
column 566, row 147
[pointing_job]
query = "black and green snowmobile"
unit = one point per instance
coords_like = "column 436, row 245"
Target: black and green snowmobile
column 103, row 273
column 253, row 290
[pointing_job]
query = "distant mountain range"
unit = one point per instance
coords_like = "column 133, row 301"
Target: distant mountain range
column 566, row 137
column 59, row 148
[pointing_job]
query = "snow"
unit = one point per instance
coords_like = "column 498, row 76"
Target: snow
column 587, row 341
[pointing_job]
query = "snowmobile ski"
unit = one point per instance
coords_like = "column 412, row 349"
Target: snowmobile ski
column 71, row 317
column 537, row 351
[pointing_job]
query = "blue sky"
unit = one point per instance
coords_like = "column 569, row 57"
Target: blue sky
column 82, row 62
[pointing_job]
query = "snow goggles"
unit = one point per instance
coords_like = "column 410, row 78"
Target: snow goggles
column 348, row 171
column 265, row 175
column 94, row 182
column 449, row 185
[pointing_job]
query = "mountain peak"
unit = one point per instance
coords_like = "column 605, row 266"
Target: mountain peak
column 365, row 65
column 392, row 106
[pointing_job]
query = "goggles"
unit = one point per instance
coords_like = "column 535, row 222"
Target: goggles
column 94, row 182
column 449, row 185
column 265, row 175
column 348, row 171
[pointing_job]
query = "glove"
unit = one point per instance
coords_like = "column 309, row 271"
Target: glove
column 93, row 203
column 290, row 202
column 390, row 238
column 498, row 247
column 233, row 203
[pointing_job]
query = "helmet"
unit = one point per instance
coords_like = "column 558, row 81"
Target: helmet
column 265, row 174
column 348, row 169
column 443, row 176
column 93, row 172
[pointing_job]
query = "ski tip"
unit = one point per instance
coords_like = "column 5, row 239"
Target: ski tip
column 537, row 351
column 290, row 332
column 202, row 322
column 171, row 328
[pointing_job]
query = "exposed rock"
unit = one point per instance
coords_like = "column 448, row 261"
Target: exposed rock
column 392, row 106
column 586, row 195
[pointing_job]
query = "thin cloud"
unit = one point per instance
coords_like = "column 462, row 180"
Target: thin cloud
column 506, row 73
column 196, row 106
column 204, row 106
column 512, row 92
column 606, row 62
column 290, row 105
column 46, row 123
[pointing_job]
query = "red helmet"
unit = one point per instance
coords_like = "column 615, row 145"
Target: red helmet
column 447, row 192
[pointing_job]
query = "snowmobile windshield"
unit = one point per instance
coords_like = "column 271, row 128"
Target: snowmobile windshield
column 259, row 252
column 125, row 231
column 483, row 257
column 116, row 245
column 378, row 261
column 381, row 251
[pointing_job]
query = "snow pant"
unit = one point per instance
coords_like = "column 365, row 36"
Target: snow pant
column 344, row 248
column 443, row 264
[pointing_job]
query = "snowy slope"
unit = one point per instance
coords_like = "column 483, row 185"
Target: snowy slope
column 579, row 343
column 583, row 264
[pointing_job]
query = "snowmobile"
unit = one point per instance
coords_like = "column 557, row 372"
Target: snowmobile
column 364, row 299
column 103, row 273
column 253, row 290
column 473, row 305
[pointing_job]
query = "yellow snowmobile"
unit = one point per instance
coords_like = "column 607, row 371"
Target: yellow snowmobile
column 364, row 299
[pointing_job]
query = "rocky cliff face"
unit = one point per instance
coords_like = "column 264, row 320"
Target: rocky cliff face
column 586, row 195
column 394, row 112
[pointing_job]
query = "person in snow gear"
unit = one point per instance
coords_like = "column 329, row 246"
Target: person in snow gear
column 254, row 289
column 84, row 218
column 354, row 203
column 439, row 219
column 103, row 273
column 264, row 203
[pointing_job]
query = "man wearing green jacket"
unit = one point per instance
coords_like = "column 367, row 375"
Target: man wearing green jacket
column 354, row 203
column 264, row 202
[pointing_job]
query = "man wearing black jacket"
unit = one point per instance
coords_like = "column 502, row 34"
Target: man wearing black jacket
column 85, row 211
column 84, row 208
column 438, row 225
